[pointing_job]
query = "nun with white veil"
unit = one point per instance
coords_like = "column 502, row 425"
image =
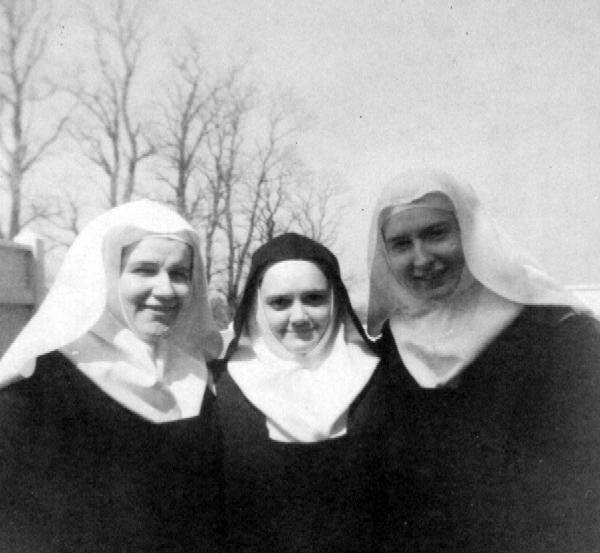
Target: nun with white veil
column 494, row 381
column 106, row 430
column 300, row 409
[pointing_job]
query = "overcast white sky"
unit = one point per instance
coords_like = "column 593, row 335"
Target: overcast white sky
column 505, row 94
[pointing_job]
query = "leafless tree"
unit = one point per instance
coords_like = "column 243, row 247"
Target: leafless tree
column 225, row 172
column 229, row 165
column 204, row 160
column 62, row 220
column 112, row 135
column 275, row 199
column 233, row 169
column 223, row 155
column 25, row 86
column 252, row 157
column 316, row 208
column 189, row 112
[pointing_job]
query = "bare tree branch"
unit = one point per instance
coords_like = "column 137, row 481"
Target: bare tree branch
column 112, row 135
column 229, row 165
column 24, row 33
column 316, row 208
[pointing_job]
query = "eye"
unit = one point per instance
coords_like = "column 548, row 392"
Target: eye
column 316, row 298
column 180, row 275
column 398, row 244
column 436, row 232
column 144, row 269
column 278, row 303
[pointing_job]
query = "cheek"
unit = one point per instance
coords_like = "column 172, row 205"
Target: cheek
column 183, row 291
column 399, row 263
column 321, row 315
column 277, row 320
column 132, row 290
column 453, row 252
column 449, row 249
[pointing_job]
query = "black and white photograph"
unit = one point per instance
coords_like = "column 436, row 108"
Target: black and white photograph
column 299, row 277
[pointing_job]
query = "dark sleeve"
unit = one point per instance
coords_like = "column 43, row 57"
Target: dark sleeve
column 216, row 368
column 30, row 414
column 189, row 488
column 26, row 452
column 557, row 484
column 18, row 427
column 576, row 363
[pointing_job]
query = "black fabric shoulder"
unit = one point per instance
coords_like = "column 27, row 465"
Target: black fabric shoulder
column 217, row 367
column 550, row 315
column 383, row 343
column 23, row 399
column 55, row 366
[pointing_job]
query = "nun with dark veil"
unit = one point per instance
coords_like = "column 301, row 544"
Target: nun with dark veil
column 300, row 409
column 107, row 441
column 494, row 382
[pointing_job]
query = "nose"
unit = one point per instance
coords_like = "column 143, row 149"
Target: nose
column 297, row 313
column 163, row 287
column 421, row 256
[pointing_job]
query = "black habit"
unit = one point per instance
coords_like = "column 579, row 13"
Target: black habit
column 320, row 497
column 505, row 459
column 79, row 473
column 316, row 497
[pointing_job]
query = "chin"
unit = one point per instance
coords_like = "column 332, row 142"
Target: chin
column 440, row 292
column 305, row 347
column 153, row 333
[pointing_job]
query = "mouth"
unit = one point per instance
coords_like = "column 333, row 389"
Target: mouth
column 162, row 310
column 161, row 307
column 301, row 331
column 431, row 278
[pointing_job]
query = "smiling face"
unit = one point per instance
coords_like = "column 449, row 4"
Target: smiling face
column 424, row 251
column 154, row 285
column 296, row 299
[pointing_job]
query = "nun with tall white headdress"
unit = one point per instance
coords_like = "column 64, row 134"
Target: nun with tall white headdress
column 494, row 381
column 106, row 426
column 300, row 409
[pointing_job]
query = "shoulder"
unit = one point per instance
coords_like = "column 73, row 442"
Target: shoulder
column 61, row 385
column 217, row 368
column 228, row 392
column 553, row 315
column 51, row 369
column 566, row 345
column 240, row 420
column 541, row 329
column 23, row 404
column 54, row 366
column 384, row 344
column 562, row 326
column 369, row 411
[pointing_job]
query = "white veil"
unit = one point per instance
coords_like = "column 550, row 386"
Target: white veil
column 77, row 299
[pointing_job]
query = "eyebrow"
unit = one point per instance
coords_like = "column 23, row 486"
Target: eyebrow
column 437, row 224
column 303, row 292
column 151, row 263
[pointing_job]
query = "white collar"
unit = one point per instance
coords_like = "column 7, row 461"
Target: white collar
column 160, row 385
column 438, row 345
column 304, row 402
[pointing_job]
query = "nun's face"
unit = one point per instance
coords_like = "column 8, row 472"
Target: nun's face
column 154, row 285
column 424, row 251
column 296, row 300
